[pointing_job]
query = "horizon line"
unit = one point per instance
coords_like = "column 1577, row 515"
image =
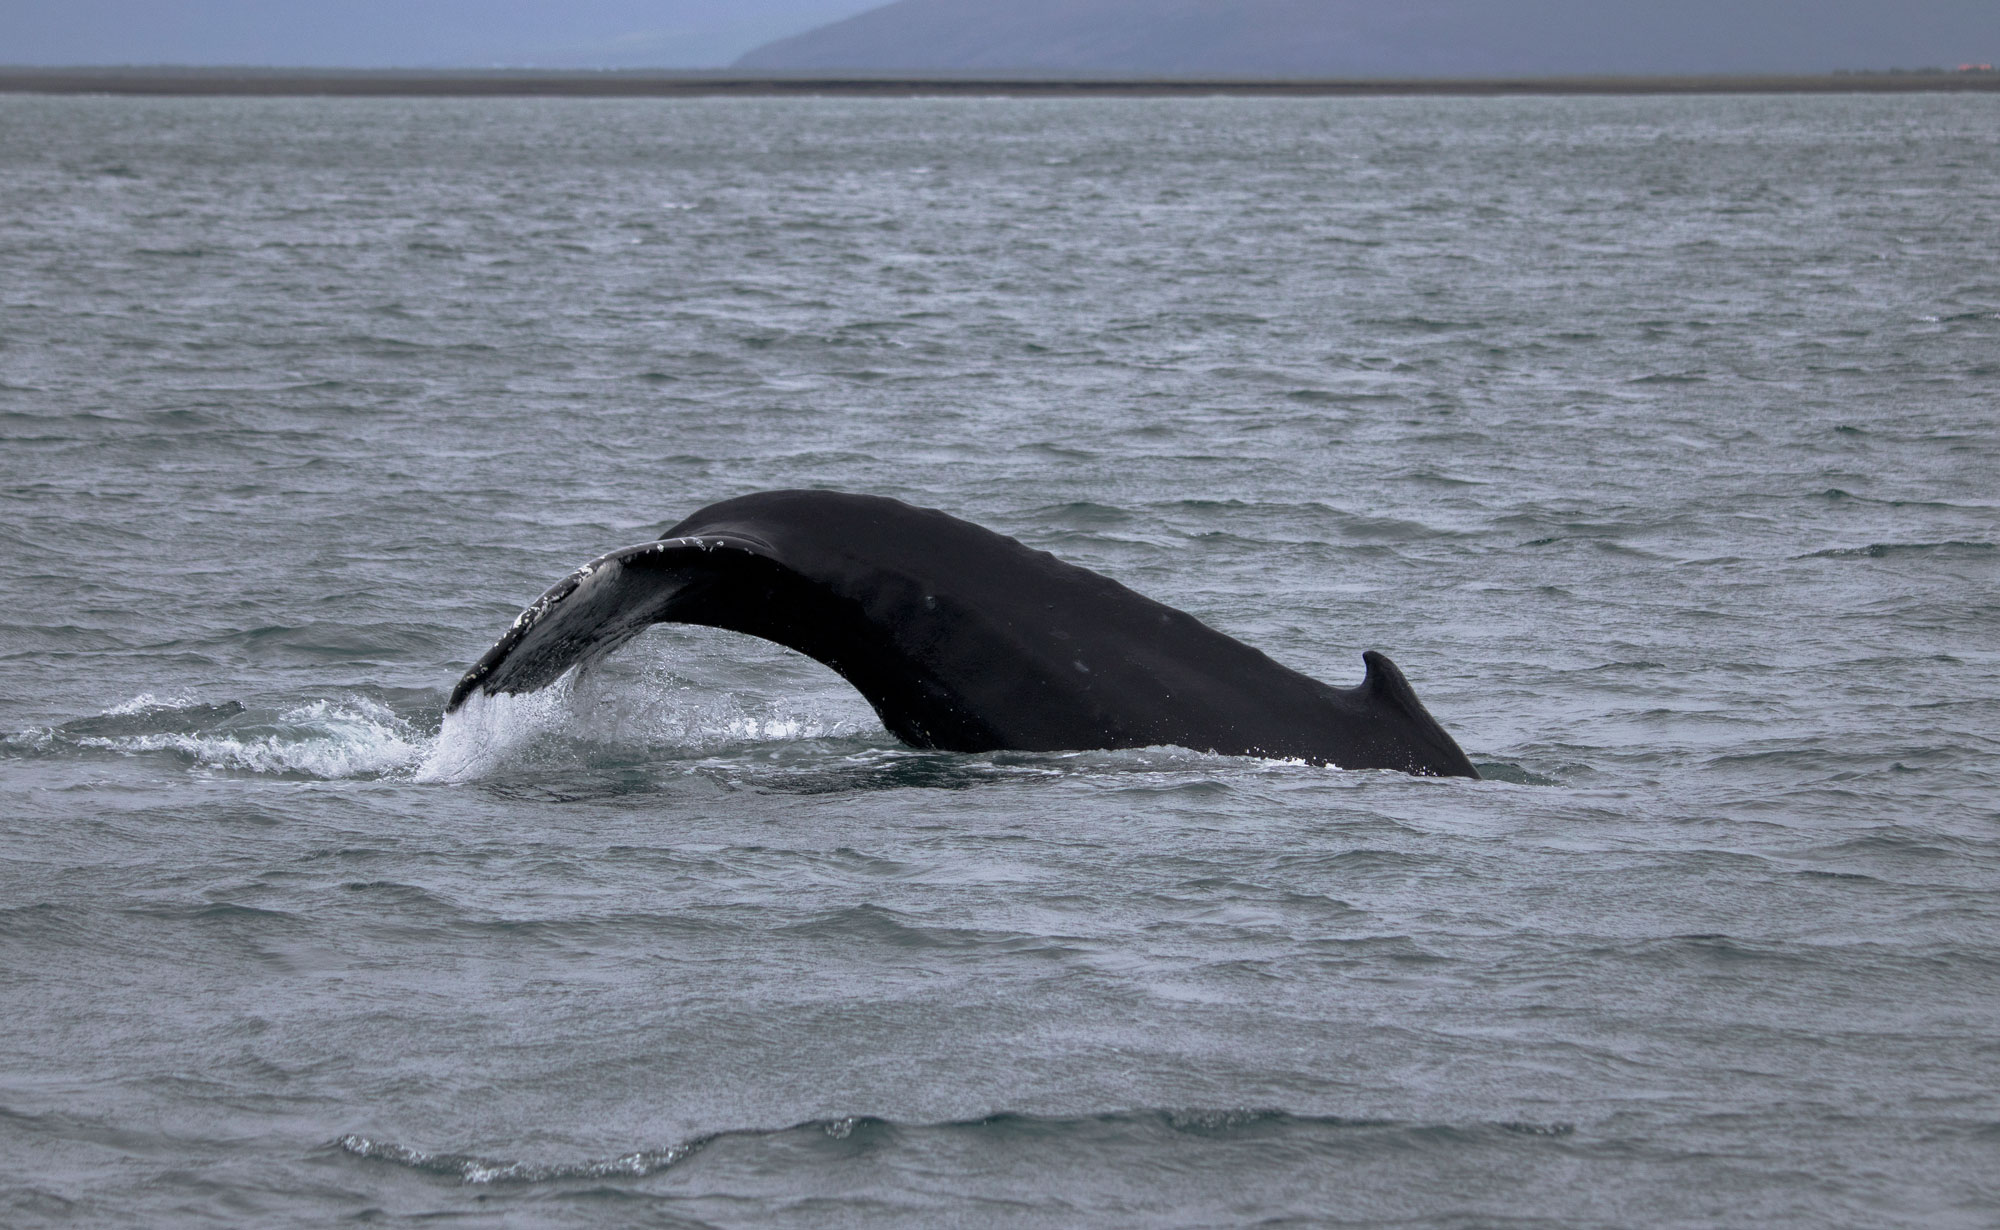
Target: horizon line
column 276, row 81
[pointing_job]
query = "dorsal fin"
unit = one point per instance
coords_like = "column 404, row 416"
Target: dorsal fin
column 1385, row 680
column 1384, row 685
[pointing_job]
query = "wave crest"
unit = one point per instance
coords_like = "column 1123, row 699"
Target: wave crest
column 348, row 737
column 1144, row 1129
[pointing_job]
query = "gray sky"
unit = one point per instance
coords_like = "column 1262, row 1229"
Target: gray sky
column 1403, row 37
column 415, row 33
column 1400, row 38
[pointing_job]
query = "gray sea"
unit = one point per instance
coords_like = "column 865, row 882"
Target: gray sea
column 1658, row 440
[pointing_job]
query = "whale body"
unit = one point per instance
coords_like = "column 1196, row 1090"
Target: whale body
column 964, row 639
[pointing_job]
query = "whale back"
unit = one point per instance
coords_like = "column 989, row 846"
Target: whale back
column 964, row 639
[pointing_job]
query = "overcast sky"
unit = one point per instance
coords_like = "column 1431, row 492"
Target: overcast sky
column 391, row 33
column 1399, row 38
column 1417, row 37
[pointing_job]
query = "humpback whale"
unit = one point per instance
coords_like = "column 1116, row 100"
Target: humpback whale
column 964, row 639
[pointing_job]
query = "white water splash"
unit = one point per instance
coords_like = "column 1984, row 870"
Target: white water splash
column 579, row 718
column 487, row 732
column 659, row 708
column 353, row 737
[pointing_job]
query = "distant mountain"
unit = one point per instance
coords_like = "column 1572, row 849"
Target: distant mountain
column 1394, row 38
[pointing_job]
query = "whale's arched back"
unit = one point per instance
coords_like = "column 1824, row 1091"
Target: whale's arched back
column 964, row 639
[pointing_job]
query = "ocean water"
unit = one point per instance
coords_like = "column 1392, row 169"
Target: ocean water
column 1655, row 438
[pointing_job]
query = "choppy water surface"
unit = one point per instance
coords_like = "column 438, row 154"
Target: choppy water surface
column 1655, row 438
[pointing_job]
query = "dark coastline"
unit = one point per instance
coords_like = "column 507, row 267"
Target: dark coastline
column 665, row 84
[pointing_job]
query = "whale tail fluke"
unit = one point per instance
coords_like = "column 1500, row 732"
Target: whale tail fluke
column 963, row 639
column 592, row 612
